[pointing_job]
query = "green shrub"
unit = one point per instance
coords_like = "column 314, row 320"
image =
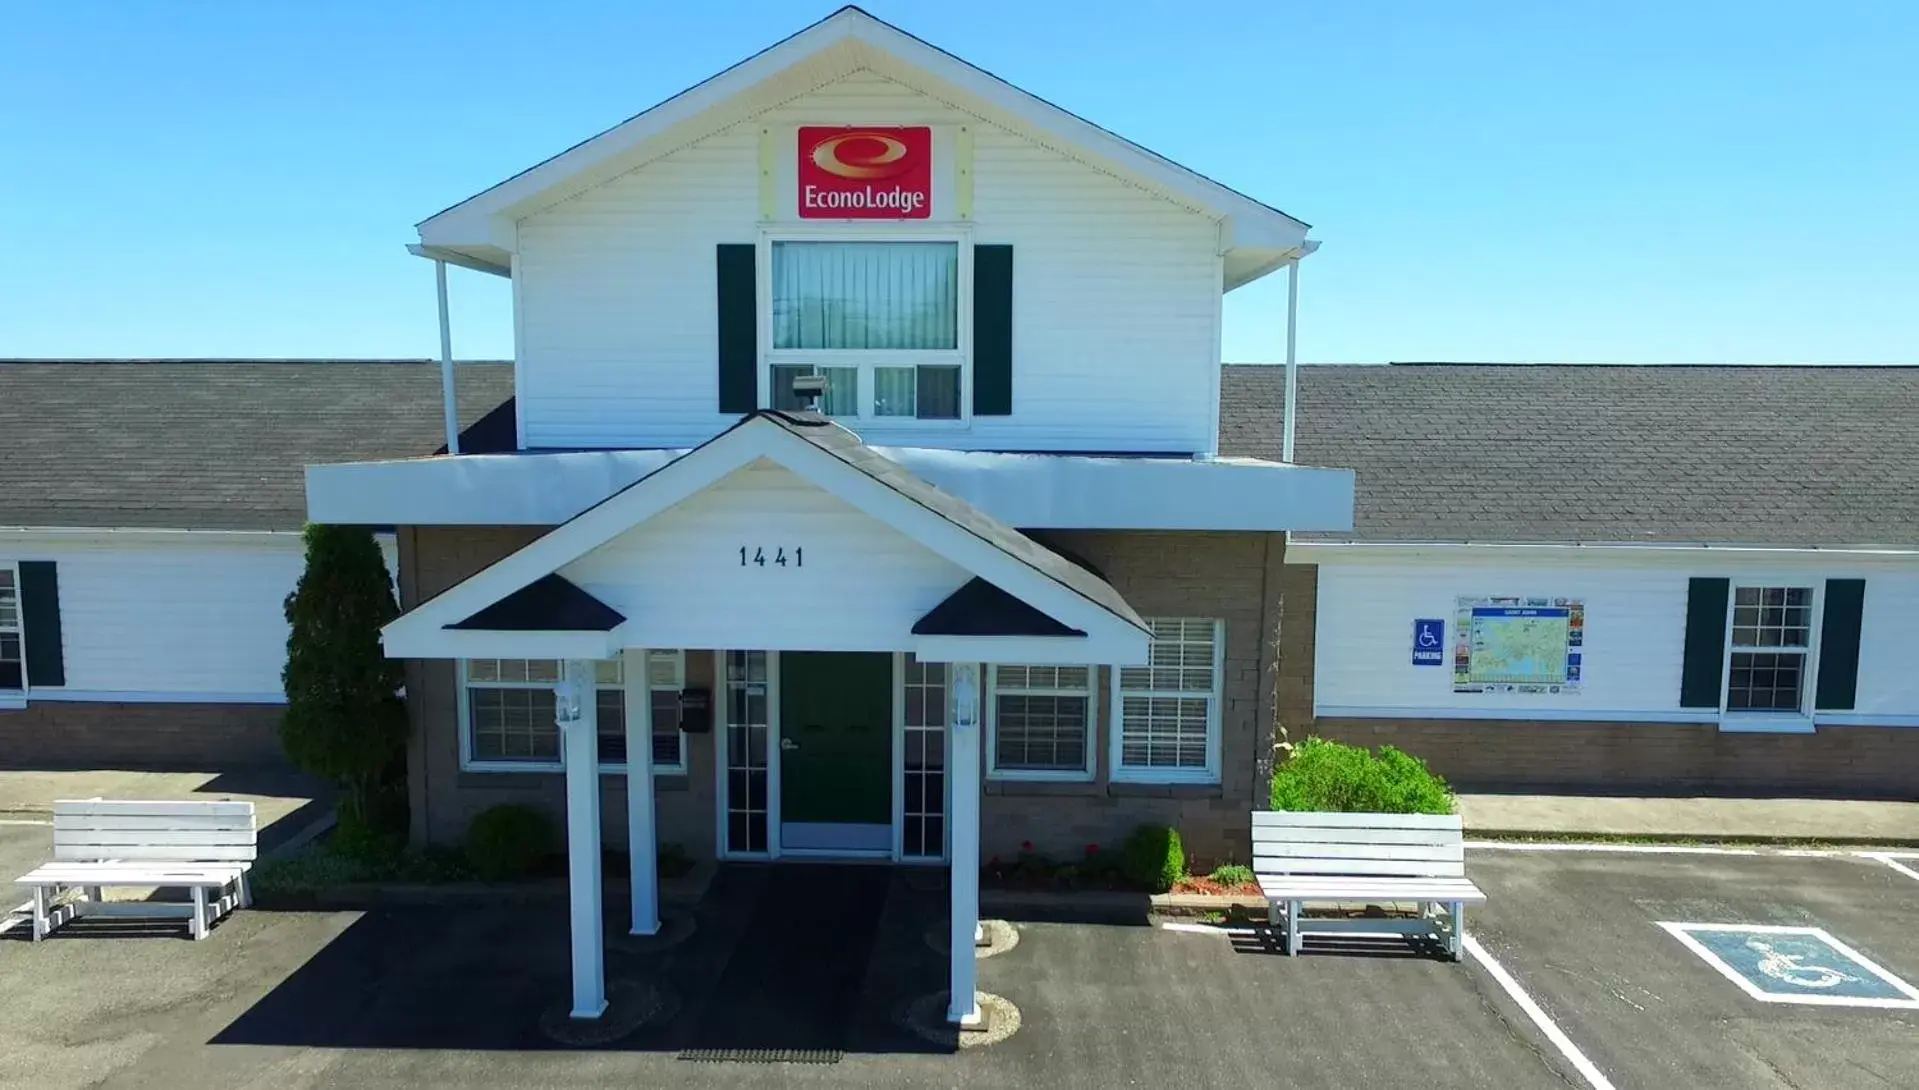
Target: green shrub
column 1153, row 857
column 344, row 719
column 367, row 842
column 1232, row 874
column 674, row 862
column 507, row 842
column 1328, row 776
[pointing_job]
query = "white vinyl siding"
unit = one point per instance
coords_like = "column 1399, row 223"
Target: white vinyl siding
column 1635, row 630
column 168, row 616
column 1041, row 722
column 1166, row 713
column 1115, row 312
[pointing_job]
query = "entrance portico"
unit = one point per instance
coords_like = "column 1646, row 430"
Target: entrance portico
column 851, row 606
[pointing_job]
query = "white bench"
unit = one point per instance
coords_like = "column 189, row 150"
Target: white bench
column 1303, row 858
column 204, row 847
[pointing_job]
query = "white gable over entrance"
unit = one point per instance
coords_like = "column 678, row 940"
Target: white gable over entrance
column 875, row 559
column 810, row 571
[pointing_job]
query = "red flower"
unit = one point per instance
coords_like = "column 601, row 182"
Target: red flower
column 1092, row 849
column 1026, row 845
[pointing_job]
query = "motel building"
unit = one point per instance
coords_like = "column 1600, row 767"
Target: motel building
column 859, row 497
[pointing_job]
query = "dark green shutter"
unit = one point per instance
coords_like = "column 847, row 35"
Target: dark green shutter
column 40, row 612
column 1839, row 645
column 1705, row 663
column 739, row 328
column 992, row 330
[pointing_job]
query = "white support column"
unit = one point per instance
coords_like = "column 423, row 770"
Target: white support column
column 1292, row 359
column 641, row 838
column 451, row 405
column 962, row 764
column 578, row 718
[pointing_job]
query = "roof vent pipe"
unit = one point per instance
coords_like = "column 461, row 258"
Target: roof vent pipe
column 446, row 365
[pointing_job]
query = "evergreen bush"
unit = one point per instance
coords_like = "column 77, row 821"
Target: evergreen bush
column 509, row 842
column 345, row 721
column 1153, row 857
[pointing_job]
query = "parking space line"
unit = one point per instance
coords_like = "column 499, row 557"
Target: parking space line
column 1205, row 929
column 1587, row 1070
column 1892, row 859
column 1625, row 849
column 22, row 821
column 14, row 917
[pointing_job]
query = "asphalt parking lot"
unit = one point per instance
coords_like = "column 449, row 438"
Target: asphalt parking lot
column 1580, row 932
column 438, row 996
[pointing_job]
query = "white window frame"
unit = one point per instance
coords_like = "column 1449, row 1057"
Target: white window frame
column 1757, row 720
column 866, row 359
column 1090, row 693
column 1215, row 698
column 17, row 698
column 470, row 763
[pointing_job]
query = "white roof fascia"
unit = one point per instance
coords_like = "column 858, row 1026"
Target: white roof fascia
column 1037, row 491
column 486, row 218
column 461, row 258
column 706, row 465
column 1359, row 552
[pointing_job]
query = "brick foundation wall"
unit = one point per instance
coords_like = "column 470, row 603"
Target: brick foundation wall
column 1602, row 758
column 49, row 734
column 1230, row 576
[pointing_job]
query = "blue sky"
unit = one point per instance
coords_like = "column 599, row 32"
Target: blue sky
column 1629, row 181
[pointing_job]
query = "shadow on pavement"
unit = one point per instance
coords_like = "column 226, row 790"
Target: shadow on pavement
column 784, row 959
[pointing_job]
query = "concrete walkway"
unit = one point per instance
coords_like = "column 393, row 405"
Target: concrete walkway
column 1709, row 819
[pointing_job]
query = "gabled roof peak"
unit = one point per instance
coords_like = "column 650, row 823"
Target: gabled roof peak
column 478, row 232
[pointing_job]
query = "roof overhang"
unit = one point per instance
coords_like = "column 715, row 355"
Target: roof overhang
column 481, row 231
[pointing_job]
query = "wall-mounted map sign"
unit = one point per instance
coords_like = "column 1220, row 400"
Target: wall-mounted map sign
column 1518, row 645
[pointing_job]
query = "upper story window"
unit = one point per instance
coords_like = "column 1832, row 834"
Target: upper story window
column 880, row 320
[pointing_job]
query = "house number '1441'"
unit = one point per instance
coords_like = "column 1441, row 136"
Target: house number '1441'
column 757, row 555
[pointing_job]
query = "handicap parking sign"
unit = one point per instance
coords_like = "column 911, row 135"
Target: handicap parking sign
column 1429, row 642
column 1794, row 965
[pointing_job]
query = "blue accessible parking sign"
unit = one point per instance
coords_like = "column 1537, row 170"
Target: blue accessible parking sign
column 1429, row 642
column 1794, row 965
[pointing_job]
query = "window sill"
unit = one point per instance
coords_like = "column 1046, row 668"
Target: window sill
column 1766, row 724
column 1055, row 788
column 1138, row 790
column 12, row 702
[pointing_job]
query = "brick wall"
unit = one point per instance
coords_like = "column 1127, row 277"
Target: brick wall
column 1602, row 758
column 1230, row 576
column 446, row 798
column 50, row 734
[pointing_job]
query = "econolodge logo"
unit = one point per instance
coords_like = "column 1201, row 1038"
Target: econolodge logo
column 870, row 173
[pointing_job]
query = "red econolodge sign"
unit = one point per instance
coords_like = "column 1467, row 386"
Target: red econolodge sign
column 866, row 174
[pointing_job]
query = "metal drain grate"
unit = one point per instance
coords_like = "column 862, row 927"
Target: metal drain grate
column 763, row 1055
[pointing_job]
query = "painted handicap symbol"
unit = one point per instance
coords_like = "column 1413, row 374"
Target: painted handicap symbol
column 1794, row 964
column 1428, row 638
column 1790, row 968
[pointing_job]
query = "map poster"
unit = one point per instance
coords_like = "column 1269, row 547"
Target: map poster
column 1519, row 645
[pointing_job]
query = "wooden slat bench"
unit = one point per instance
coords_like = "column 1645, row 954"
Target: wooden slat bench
column 203, row 847
column 1306, row 858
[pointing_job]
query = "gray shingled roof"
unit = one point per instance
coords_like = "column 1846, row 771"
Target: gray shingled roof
column 208, row 444
column 1560, row 453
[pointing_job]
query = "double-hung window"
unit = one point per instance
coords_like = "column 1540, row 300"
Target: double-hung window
column 1041, row 723
column 13, row 668
column 883, row 321
column 1166, row 713
column 509, row 712
column 1769, row 657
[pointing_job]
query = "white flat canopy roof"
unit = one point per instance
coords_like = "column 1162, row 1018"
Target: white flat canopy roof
column 1030, row 491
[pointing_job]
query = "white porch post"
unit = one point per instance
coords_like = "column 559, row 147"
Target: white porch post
column 450, row 403
column 579, row 734
column 641, row 840
column 962, row 763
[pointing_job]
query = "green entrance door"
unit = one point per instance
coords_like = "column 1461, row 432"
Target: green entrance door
column 836, row 750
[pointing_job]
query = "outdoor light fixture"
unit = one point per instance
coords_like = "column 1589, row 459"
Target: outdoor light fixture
column 807, row 390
